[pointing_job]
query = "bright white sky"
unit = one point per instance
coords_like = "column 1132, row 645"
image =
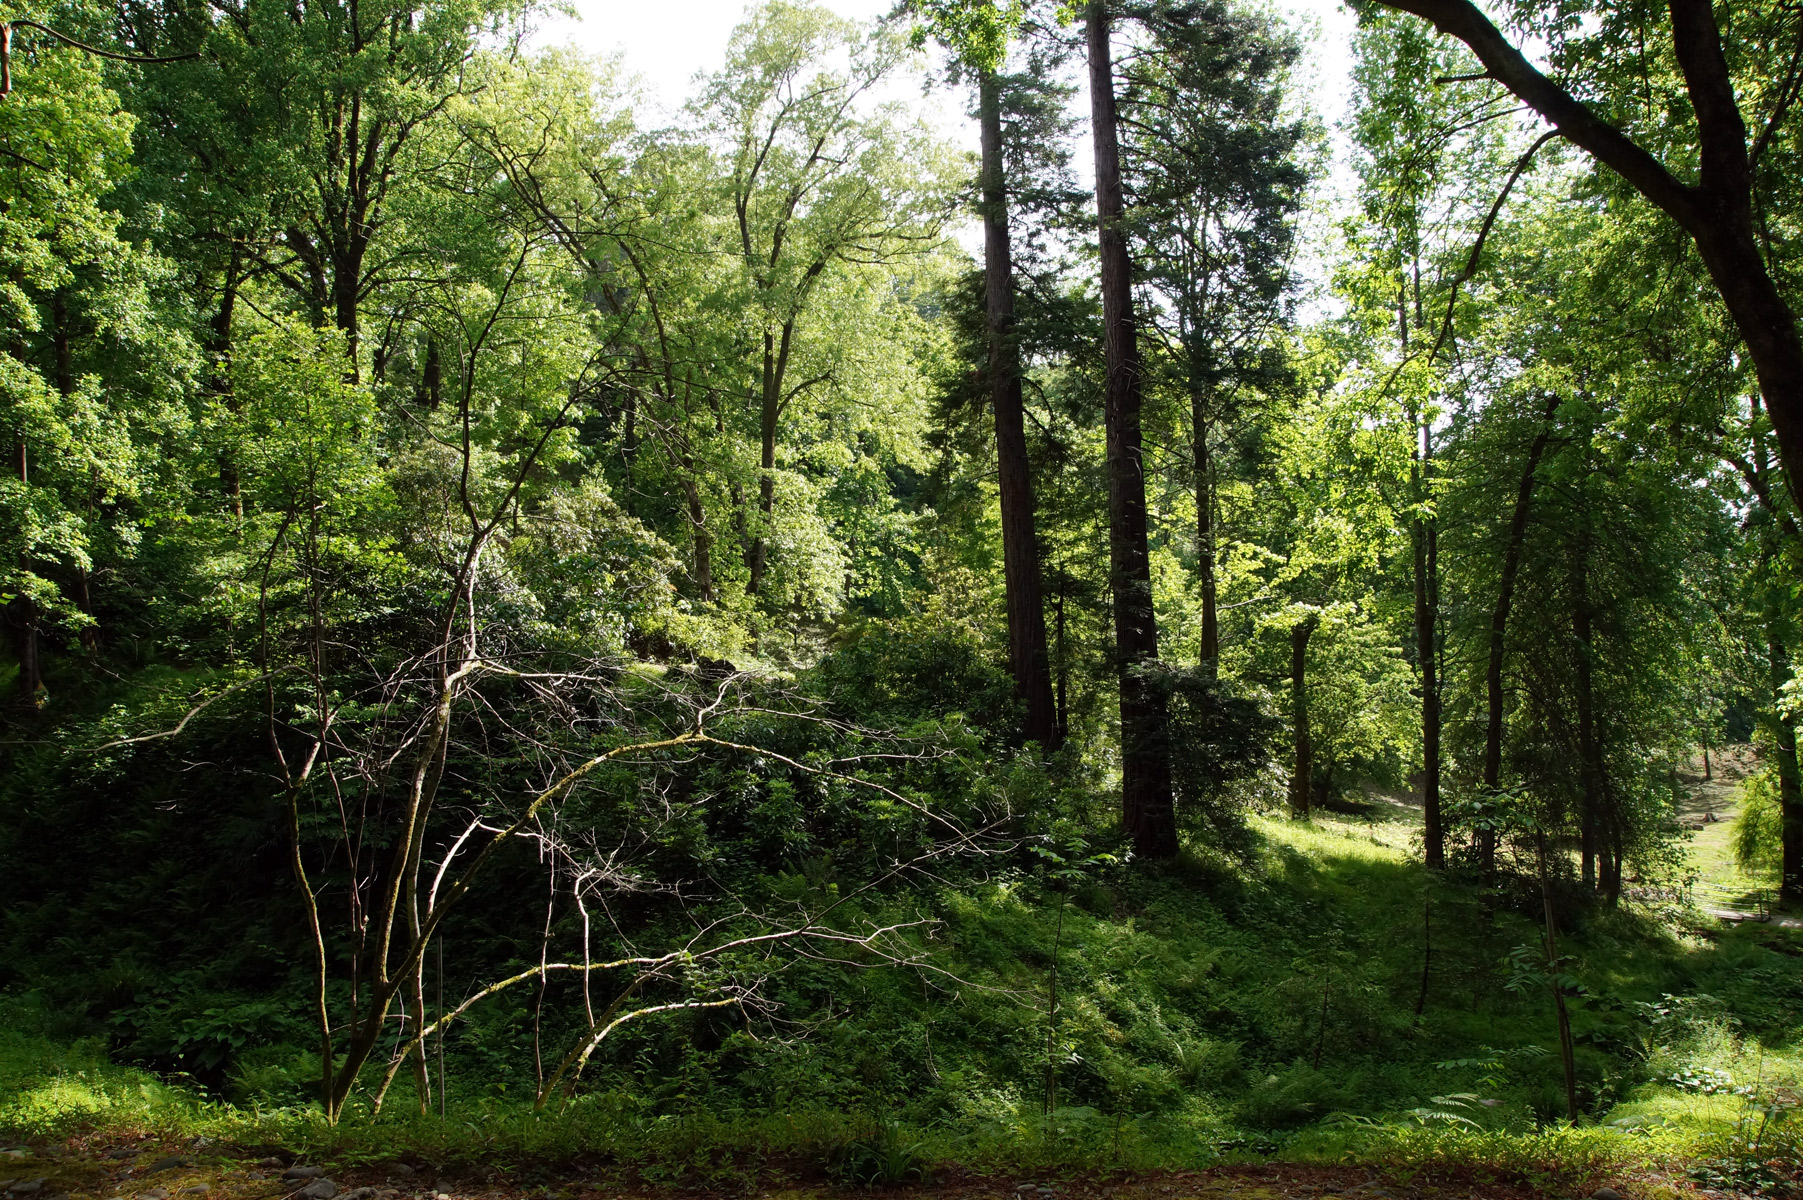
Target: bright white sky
column 665, row 42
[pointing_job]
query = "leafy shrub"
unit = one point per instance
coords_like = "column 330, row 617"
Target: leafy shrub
column 888, row 1156
column 1290, row 1098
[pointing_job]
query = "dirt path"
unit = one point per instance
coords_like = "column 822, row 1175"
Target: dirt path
column 1723, row 890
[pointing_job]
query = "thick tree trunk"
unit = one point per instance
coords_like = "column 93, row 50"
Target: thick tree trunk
column 1014, row 477
column 1302, row 773
column 1146, row 804
column 1499, row 622
column 1427, row 605
column 1205, row 534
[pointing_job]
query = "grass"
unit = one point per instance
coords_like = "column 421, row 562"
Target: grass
column 1212, row 1014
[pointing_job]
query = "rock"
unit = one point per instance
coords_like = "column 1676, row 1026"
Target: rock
column 1606, row 1193
column 357, row 1193
column 123, row 1152
column 25, row 1187
column 166, row 1164
column 319, row 1189
column 400, row 1169
column 304, row 1173
column 255, row 1175
column 199, row 1189
column 154, row 1194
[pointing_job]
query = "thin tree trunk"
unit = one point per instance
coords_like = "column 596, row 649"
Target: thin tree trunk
column 1064, row 675
column 1784, row 728
column 62, row 334
column 219, row 349
column 1014, row 477
column 776, row 367
column 1146, row 804
column 1590, row 814
column 1205, row 533
column 1426, row 649
column 1499, row 621
column 1790, row 789
column 1302, row 775
column 700, row 538
column 22, row 614
column 1567, row 1058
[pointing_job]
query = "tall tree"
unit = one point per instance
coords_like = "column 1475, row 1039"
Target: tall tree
column 1027, row 654
column 1147, row 808
column 1214, row 177
column 809, row 182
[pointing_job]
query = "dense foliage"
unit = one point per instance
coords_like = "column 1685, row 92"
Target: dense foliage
column 508, row 600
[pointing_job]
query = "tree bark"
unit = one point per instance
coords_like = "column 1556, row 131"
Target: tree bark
column 1499, row 621
column 1717, row 212
column 1027, row 656
column 1591, row 815
column 1790, row 785
column 776, row 368
column 1427, row 604
column 1205, row 534
column 701, row 539
column 22, row 613
column 219, row 349
column 1784, row 728
column 1302, row 775
column 1146, row 803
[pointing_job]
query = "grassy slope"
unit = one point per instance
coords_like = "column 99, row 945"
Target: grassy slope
column 1205, row 1012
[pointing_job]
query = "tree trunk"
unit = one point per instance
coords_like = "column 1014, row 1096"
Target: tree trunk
column 1790, row 789
column 219, row 349
column 776, row 367
column 1064, row 676
column 22, row 613
column 1499, row 622
column 1205, row 534
column 1302, row 775
column 1784, row 728
column 1591, row 815
column 1146, row 804
column 1567, row 1057
column 1426, row 552
column 1014, row 478
column 701, row 539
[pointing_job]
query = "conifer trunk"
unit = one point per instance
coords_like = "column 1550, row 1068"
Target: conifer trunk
column 1014, row 478
column 1146, row 804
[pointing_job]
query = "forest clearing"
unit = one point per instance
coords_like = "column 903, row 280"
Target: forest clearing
column 1193, row 631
